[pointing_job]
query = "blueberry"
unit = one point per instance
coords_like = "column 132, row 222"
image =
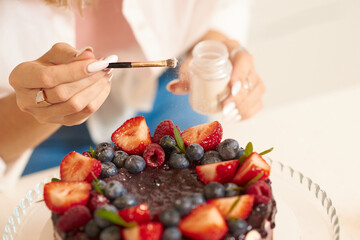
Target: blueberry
column 125, row 201
column 92, row 229
column 101, row 146
column 194, row 152
column 168, row 143
column 197, row 199
column 100, row 183
column 108, row 169
column 119, row 158
column 231, row 189
column 170, row 217
column 114, row 189
column 55, row 217
column 135, row 164
column 110, row 233
column 101, row 222
column 237, row 226
column 229, row 237
column 183, row 205
column 214, row 190
column 178, row 160
column 106, row 154
column 228, row 149
column 240, row 152
column 171, row 233
column 210, row 157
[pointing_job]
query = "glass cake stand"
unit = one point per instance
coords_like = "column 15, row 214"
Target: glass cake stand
column 304, row 210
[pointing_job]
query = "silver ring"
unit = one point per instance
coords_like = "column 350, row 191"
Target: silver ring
column 41, row 97
column 236, row 50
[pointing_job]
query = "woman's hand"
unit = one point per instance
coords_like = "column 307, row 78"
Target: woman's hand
column 74, row 85
column 247, row 88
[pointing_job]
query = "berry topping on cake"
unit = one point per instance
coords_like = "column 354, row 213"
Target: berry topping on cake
column 194, row 152
column 148, row 231
column 77, row 167
column 135, row 164
column 60, row 196
column 228, row 149
column 204, row 223
column 154, row 155
column 261, row 190
column 221, row 172
column 178, row 160
column 253, row 166
column 96, row 200
column 133, row 136
column 164, row 128
column 139, row 214
column 75, row 217
column 208, row 135
column 234, row 207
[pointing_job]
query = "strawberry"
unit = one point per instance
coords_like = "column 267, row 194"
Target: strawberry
column 164, row 128
column 133, row 136
column 222, row 172
column 139, row 214
column 75, row 217
column 253, row 165
column 208, row 135
column 241, row 210
column 148, row 231
column 204, row 223
column 77, row 167
column 60, row 196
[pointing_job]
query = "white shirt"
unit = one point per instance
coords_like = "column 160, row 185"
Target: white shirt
column 163, row 29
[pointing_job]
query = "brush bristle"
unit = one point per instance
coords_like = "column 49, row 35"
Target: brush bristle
column 172, row 63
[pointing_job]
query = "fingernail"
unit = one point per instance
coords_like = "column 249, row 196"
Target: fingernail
column 111, row 58
column 238, row 118
column 88, row 48
column 97, row 66
column 235, row 88
column 110, row 78
column 231, row 117
column 228, row 108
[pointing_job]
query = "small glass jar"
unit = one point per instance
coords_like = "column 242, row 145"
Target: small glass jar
column 210, row 71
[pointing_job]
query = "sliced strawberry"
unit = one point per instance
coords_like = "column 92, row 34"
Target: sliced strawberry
column 241, row 210
column 133, row 136
column 75, row 217
column 222, row 172
column 253, row 165
column 77, row 167
column 164, row 128
column 208, row 135
column 204, row 223
column 139, row 214
column 60, row 196
column 148, row 231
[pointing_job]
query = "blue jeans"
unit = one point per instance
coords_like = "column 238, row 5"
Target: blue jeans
column 167, row 106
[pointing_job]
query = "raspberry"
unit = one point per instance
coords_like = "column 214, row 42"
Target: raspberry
column 261, row 190
column 154, row 155
column 73, row 218
column 97, row 200
column 164, row 128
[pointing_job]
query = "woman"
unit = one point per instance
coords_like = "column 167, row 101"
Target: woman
column 66, row 86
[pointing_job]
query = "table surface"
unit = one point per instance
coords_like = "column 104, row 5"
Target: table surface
column 318, row 136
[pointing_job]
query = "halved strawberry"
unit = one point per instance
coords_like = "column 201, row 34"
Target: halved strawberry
column 208, row 135
column 60, row 196
column 222, row 172
column 204, row 223
column 148, row 231
column 133, row 136
column 253, row 165
column 241, row 210
column 165, row 127
column 139, row 214
column 77, row 167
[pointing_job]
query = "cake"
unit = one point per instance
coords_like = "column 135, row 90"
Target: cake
column 189, row 184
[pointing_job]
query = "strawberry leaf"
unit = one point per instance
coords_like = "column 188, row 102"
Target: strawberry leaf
column 114, row 218
column 179, row 140
column 93, row 154
column 257, row 177
column 266, row 151
column 233, row 205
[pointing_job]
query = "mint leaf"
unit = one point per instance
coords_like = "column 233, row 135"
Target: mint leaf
column 93, row 154
column 242, row 159
column 237, row 188
column 257, row 177
column 174, row 146
column 114, row 218
column 233, row 205
column 55, row 180
column 266, row 151
column 248, row 149
column 179, row 140
column 96, row 184
column 39, row 201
